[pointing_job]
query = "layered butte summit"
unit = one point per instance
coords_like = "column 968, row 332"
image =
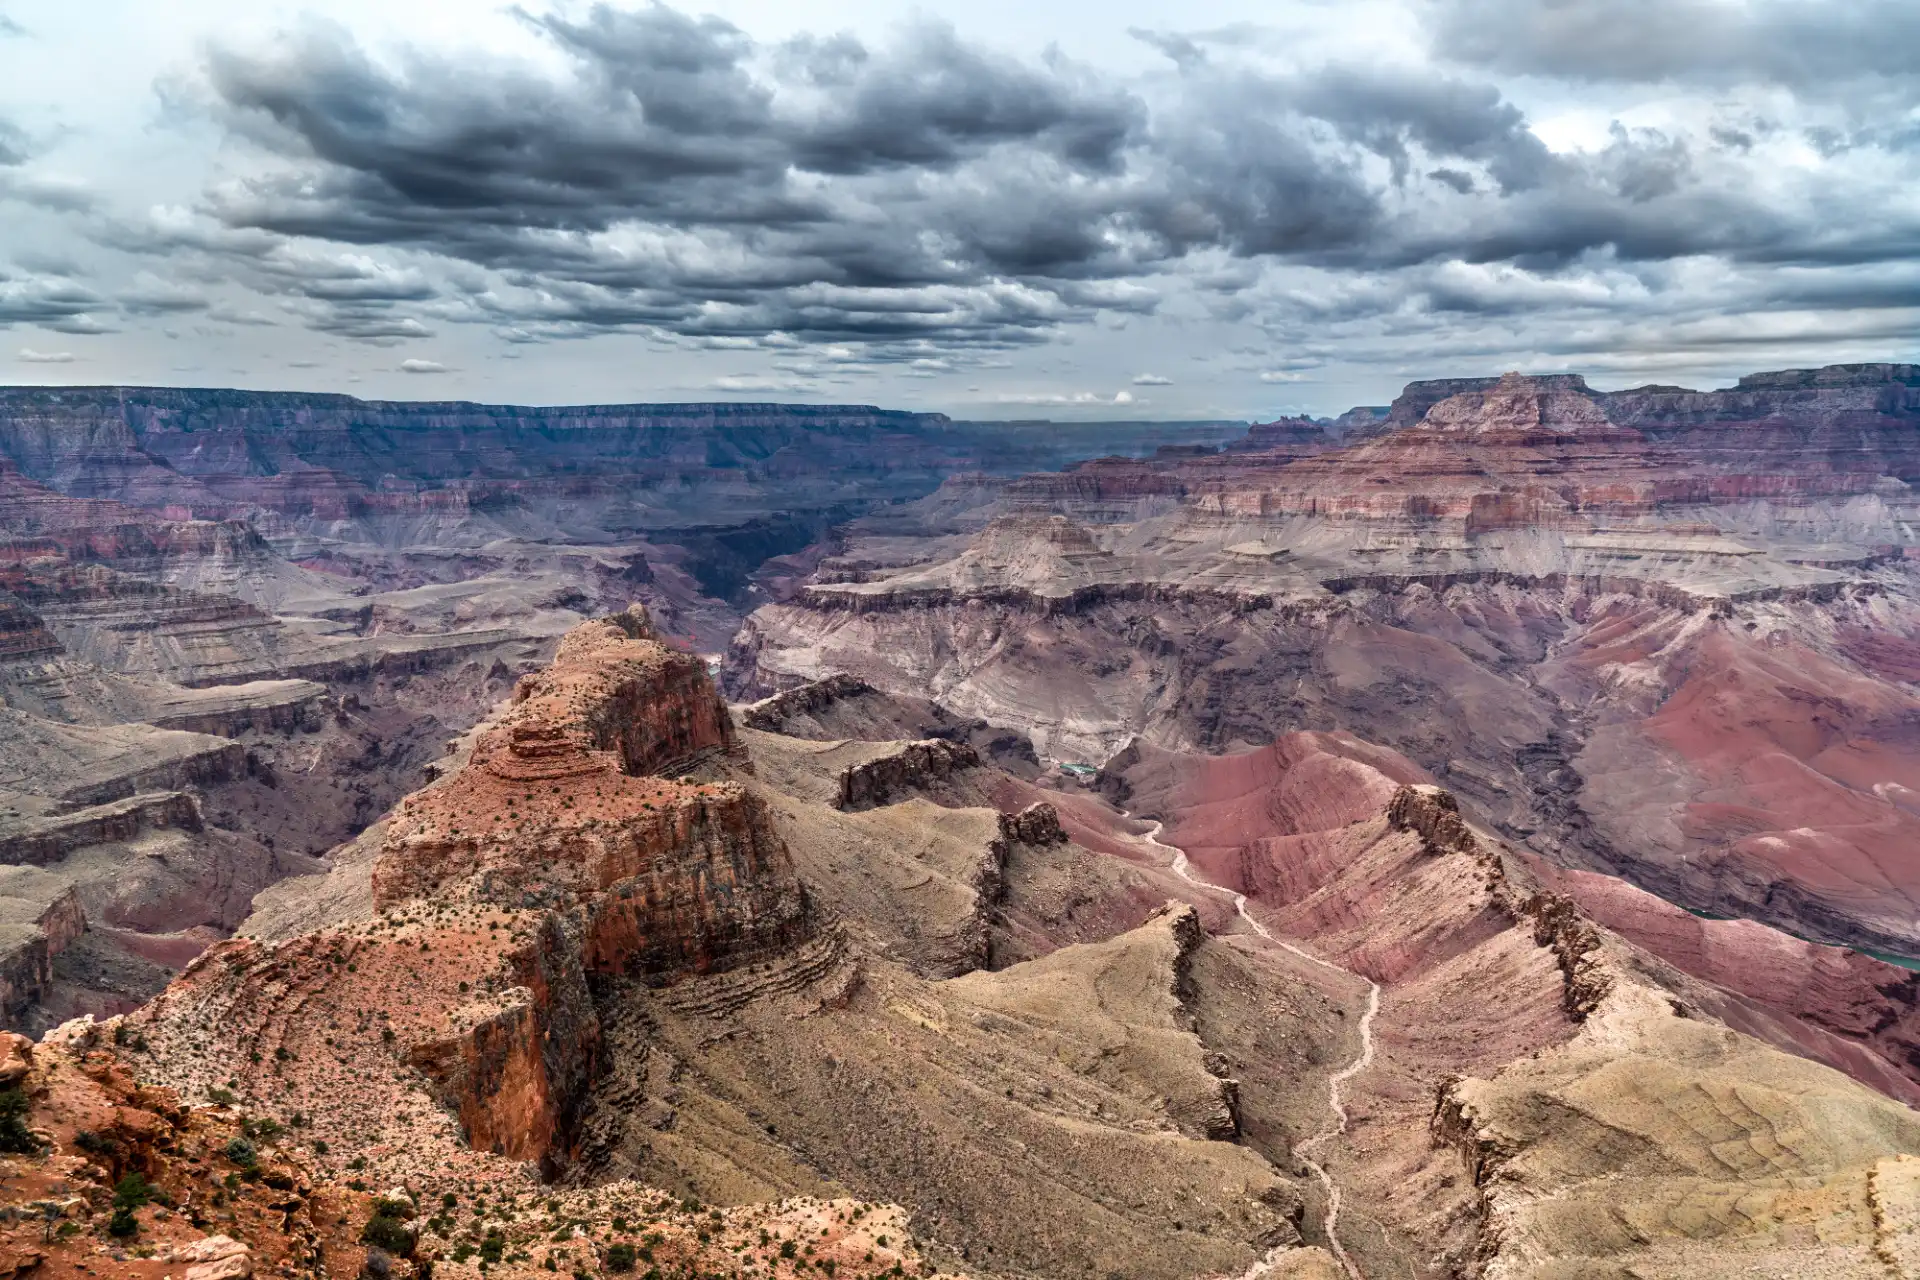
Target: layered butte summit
column 1236, row 641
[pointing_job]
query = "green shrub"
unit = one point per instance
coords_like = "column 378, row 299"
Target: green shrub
column 621, row 1257
column 131, row 1192
column 385, row 1231
column 14, row 1134
column 494, row 1246
column 242, row 1153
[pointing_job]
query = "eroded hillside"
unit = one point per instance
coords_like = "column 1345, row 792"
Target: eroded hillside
column 627, row 976
column 1657, row 634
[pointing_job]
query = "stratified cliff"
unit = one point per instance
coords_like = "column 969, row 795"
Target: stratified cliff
column 1661, row 633
column 574, row 789
column 566, row 848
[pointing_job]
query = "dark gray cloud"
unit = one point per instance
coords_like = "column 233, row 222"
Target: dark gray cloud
column 1391, row 112
column 681, row 177
column 63, row 305
column 924, row 196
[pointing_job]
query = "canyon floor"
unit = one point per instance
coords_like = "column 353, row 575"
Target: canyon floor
column 1456, row 848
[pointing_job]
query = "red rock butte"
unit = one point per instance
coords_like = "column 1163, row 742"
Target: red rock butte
column 567, row 791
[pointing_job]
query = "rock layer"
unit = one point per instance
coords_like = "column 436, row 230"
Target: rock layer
column 562, row 792
column 1658, row 633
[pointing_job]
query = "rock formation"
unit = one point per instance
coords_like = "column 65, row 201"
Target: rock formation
column 1598, row 618
column 1254, row 860
column 916, row 766
column 572, row 789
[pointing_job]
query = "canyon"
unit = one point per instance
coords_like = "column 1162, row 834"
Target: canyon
column 248, row 622
column 1464, row 838
column 1654, row 633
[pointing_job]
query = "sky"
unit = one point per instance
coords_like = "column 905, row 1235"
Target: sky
column 995, row 209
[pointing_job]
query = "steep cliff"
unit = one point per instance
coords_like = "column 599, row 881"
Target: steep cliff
column 1599, row 618
column 554, row 857
column 562, row 792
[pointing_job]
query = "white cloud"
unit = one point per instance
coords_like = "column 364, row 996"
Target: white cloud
column 29, row 356
column 1151, row 380
column 422, row 366
column 1080, row 398
column 748, row 382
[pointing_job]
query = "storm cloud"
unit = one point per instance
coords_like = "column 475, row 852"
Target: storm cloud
column 925, row 202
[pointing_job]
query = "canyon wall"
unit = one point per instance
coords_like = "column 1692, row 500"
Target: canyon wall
column 1660, row 633
column 563, row 791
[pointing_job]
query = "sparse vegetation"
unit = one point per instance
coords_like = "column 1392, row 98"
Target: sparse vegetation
column 388, row 1231
column 15, row 1137
column 130, row 1193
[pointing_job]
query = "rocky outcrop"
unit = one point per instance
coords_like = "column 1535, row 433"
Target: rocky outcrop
column 1294, row 436
column 773, row 714
column 266, row 706
column 562, row 793
column 1038, row 824
column 518, row 1067
column 1220, row 1121
column 1558, row 925
column 916, row 766
column 39, row 841
column 970, row 945
column 28, row 949
column 655, row 711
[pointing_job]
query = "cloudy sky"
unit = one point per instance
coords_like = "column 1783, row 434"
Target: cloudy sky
column 996, row 208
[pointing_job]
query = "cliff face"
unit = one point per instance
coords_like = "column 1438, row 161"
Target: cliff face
column 127, row 438
column 551, row 860
column 517, row 1070
column 334, row 457
column 917, row 766
column 28, row 949
column 561, row 793
column 1590, row 614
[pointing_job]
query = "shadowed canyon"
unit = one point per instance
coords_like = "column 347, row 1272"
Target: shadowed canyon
column 1477, row 836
